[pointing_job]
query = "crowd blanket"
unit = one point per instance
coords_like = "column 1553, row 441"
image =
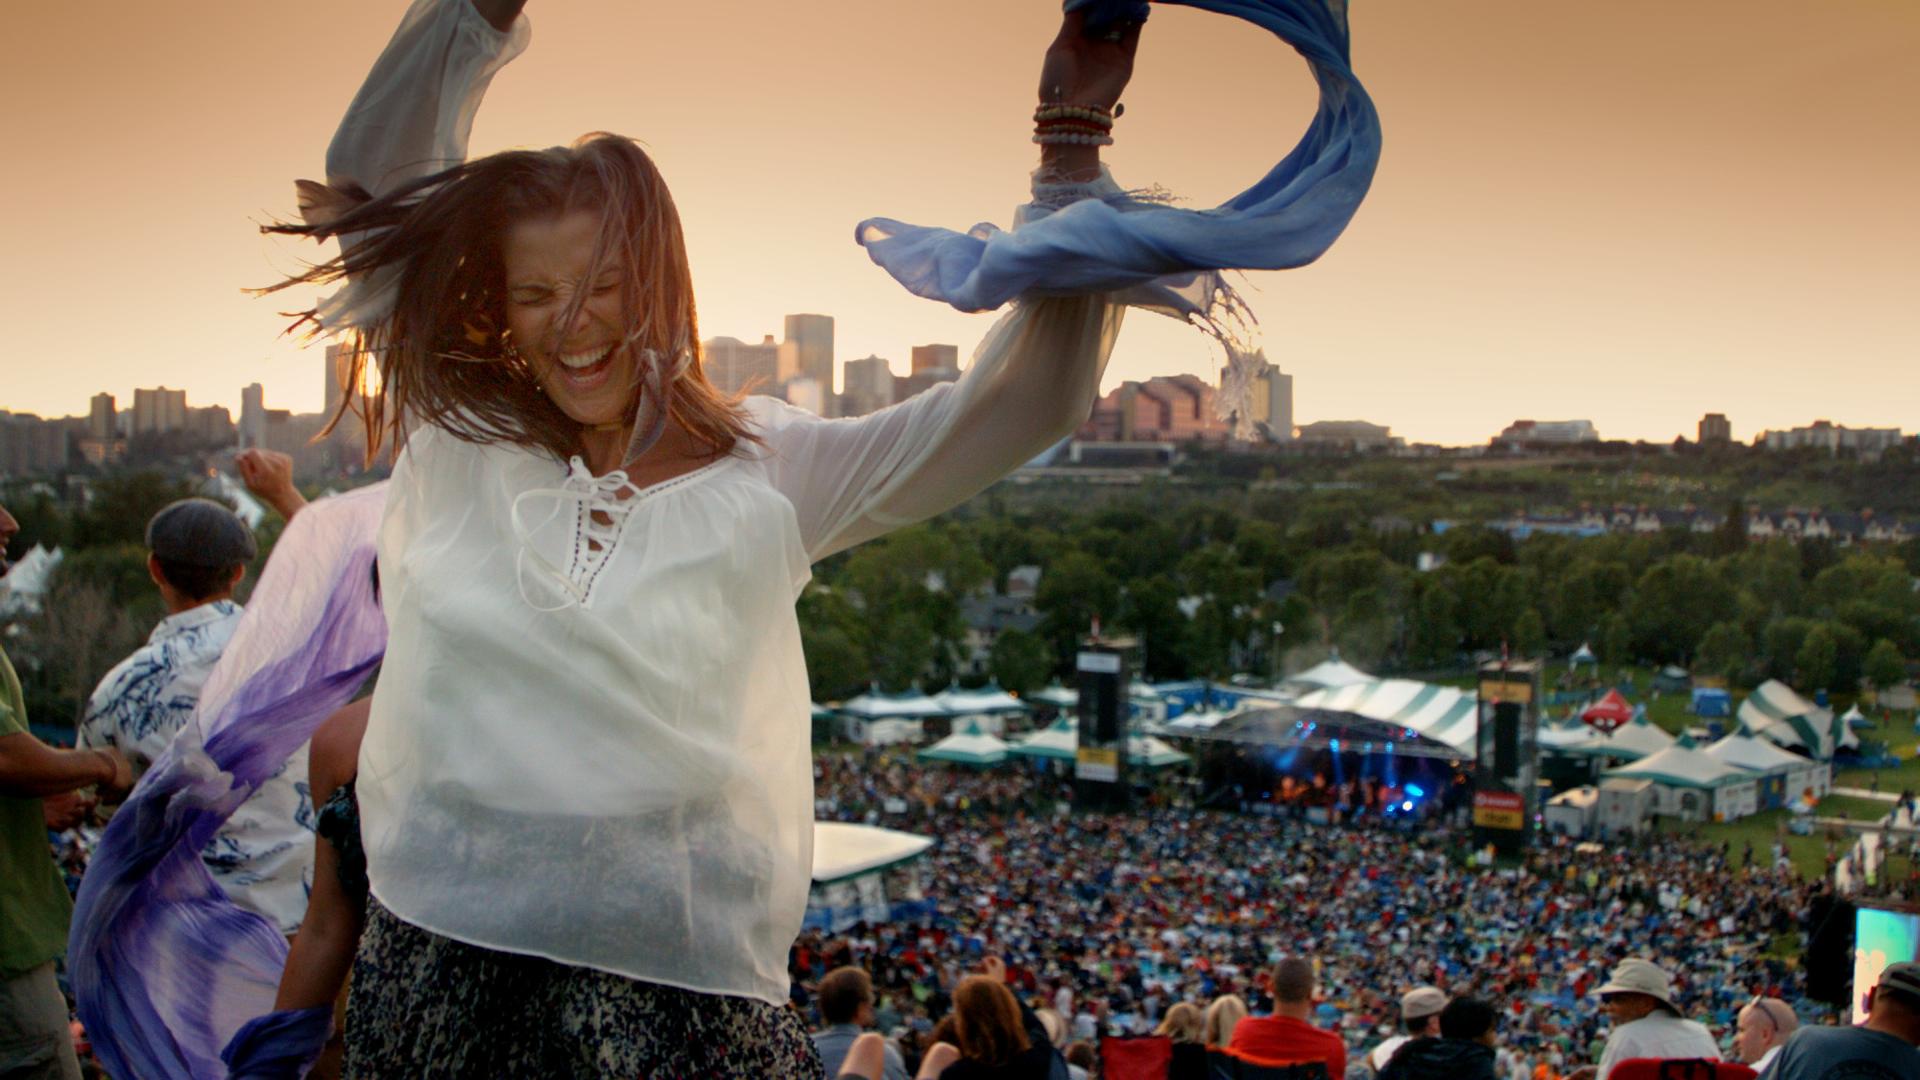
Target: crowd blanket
column 165, row 969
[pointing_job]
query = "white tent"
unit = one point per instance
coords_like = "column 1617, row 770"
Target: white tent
column 1629, row 742
column 1559, row 736
column 26, row 584
column 874, row 705
column 1054, row 694
column 1060, row 740
column 968, row 746
column 986, row 700
column 1775, row 713
column 1693, row 784
column 1329, row 674
column 1443, row 714
column 1194, row 722
column 849, row 883
column 1759, row 756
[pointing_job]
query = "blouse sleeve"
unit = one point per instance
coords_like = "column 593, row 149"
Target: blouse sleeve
column 415, row 110
column 411, row 119
column 1033, row 381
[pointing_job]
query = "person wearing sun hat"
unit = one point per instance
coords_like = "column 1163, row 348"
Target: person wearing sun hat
column 1638, row 998
column 1886, row 1047
column 1419, row 1019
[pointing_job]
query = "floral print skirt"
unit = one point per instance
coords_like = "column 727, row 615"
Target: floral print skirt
column 423, row 1006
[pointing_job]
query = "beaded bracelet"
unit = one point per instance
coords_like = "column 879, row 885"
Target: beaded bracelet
column 1070, row 138
column 1091, row 114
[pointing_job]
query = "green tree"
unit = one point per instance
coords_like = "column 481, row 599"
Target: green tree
column 831, row 634
column 1781, row 643
column 1723, row 652
column 1150, row 610
column 1229, row 595
column 1020, row 662
column 1815, row 665
column 1073, row 592
column 1674, row 604
column 1530, row 634
column 1884, row 667
column 1433, row 639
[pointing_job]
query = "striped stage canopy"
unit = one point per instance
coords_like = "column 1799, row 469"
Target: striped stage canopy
column 1442, row 714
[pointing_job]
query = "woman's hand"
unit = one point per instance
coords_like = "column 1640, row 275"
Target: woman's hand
column 1088, row 70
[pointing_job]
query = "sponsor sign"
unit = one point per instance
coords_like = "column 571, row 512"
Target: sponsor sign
column 1499, row 810
column 1097, row 763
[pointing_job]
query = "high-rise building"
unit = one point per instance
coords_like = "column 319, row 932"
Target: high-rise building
column 158, row 411
column 102, row 423
column 1171, row 408
column 936, row 358
column 1272, row 404
column 1714, row 428
column 735, row 366
column 866, row 386
column 807, row 353
column 212, row 424
column 253, row 417
column 805, row 393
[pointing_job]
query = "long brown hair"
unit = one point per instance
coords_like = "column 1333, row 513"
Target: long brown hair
column 986, row 1021
column 442, row 353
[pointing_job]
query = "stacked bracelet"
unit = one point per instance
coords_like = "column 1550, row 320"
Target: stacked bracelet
column 1057, row 124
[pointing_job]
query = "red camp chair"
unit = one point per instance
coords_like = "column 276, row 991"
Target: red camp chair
column 1679, row 1069
column 1139, row 1058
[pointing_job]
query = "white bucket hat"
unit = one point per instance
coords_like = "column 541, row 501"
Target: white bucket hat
column 1636, row 976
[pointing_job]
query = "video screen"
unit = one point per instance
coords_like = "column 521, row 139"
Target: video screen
column 1880, row 938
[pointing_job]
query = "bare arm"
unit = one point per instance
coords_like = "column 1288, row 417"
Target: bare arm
column 269, row 475
column 322, row 951
column 30, row 768
column 499, row 13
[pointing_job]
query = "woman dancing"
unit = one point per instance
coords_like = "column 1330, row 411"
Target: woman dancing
column 584, row 784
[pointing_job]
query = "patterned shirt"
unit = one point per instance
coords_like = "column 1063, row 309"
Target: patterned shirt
column 263, row 856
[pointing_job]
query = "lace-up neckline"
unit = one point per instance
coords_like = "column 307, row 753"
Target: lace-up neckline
column 602, row 506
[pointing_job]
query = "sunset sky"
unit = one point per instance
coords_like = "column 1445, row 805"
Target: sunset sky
column 1630, row 212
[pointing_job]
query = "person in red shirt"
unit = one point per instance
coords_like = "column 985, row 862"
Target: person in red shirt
column 1286, row 1038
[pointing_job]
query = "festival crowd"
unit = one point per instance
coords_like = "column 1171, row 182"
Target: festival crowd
column 1113, row 919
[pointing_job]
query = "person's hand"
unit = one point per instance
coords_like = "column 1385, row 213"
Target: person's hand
column 994, row 968
column 1082, row 70
column 68, row 809
column 269, row 475
column 121, row 781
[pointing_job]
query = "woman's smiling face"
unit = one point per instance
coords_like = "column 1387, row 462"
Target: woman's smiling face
column 585, row 366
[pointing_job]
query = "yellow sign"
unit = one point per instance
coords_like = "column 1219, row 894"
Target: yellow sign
column 1097, row 763
column 1499, row 810
column 1517, row 693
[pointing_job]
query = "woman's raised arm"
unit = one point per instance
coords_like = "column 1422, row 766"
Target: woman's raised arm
column 415, row 110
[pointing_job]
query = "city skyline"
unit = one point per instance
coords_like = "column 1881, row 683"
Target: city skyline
column 1574, row 216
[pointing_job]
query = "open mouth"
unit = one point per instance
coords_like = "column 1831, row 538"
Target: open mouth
column 586, row 369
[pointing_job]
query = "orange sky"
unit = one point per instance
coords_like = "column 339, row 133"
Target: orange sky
column 1630, row 212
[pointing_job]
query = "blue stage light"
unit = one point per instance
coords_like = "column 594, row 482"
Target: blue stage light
column 1415, row 790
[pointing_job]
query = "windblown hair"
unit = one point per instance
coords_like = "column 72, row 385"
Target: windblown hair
column 1223, row 1014
column 1182, row 1023
column 442, row 354
column 986, row 1021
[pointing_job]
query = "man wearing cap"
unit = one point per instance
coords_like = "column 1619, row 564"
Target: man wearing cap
column 1886, row 1047
column 1419, row 1019
column 1638, row 998
column 41, row 787
column 1760, row 1029
column 198, row 551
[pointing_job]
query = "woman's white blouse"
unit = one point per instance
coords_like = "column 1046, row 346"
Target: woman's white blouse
column 590, row 736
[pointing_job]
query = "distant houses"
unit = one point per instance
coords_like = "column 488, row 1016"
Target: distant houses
column 1834, row 527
